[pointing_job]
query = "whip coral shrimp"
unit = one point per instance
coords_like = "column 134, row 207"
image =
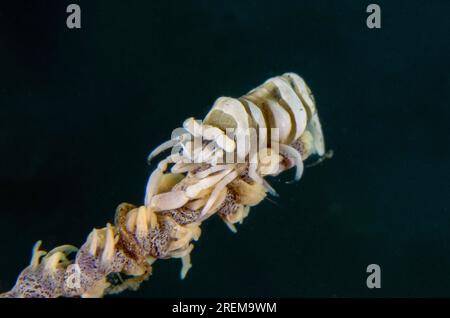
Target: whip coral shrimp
column 215, row 166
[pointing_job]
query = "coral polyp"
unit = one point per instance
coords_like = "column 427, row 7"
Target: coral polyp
column 215, row 167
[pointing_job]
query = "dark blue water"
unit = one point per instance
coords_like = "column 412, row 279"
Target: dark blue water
column 81, row 109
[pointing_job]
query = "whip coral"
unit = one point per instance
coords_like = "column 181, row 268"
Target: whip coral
column 216, row 167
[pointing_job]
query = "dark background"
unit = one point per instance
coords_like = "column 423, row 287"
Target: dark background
column 81, row 109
